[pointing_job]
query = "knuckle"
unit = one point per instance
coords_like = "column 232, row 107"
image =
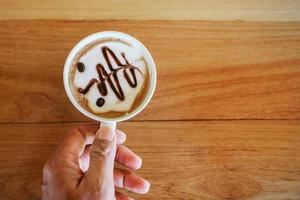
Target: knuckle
column 73, row 130
column 124, row 177
column 101, row 148
column 46, row 169
column 51, row 163
column 127, row 173
column 46, row 166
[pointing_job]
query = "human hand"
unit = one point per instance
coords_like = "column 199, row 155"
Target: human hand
column 82, row 167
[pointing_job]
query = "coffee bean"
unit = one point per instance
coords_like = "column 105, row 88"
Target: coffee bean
column 100, row 102
column 80, row 67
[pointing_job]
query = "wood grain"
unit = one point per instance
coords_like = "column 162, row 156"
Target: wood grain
column 206, row 70
column 183, row 160
column 266, row 10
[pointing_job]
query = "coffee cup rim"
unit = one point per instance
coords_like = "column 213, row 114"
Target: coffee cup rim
column 96, row 36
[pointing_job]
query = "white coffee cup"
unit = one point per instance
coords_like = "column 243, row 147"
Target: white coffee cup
column 110, row 122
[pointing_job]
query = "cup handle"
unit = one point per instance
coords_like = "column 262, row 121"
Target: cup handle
column 111, row 125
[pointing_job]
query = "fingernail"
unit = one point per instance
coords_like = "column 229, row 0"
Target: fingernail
column 138, row 163
column 105, row 133
column 146, row 187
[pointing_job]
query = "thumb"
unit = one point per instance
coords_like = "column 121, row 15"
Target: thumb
column 103, row 150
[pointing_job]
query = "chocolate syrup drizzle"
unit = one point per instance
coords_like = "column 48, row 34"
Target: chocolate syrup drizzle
column 111, row 78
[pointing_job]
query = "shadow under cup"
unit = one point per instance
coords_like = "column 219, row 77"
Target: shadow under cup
column 150, row 85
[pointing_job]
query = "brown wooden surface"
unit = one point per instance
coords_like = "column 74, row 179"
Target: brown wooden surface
column 220, row 64
column 263, row 10
column 183, row 160
column 206, row 70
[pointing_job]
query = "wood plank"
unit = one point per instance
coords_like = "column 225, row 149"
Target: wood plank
column 183, row 160
column 270, row 10
column 206, row 70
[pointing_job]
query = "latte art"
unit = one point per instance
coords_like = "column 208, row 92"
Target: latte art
column 109, row 77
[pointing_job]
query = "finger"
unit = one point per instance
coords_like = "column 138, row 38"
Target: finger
column 102, row 156
column 85, row 156
column 65, row 161
column 69, row 151
column 120, row 196
column 120, row 137
column 129, row 181
column 84, row 160
column 126, row 157
column 90, row 132
column 76, row 139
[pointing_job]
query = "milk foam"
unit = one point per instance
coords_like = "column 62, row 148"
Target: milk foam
column 95, row 56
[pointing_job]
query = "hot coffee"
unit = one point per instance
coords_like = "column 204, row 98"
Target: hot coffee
column 109, row 77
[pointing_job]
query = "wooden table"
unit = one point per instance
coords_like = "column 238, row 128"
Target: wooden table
column 225, row 119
